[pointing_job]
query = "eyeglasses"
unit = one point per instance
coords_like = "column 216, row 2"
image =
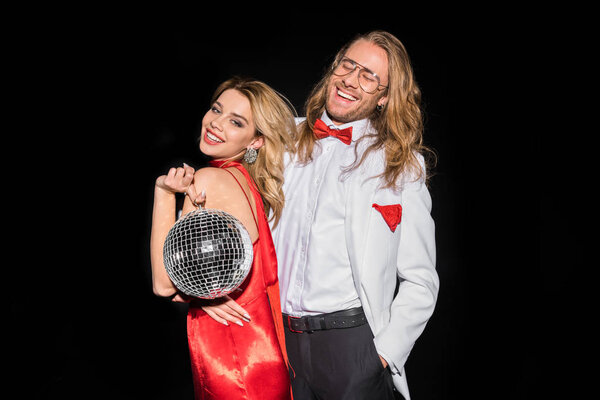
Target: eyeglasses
column 367, row 79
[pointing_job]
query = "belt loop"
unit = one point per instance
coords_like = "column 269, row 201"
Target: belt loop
column 289, row 324
column 322, row 323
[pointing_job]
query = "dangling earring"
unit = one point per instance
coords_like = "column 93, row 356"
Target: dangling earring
column 250, row 155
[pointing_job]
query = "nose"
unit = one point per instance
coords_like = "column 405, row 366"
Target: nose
column 351, row 80
column 216, row 123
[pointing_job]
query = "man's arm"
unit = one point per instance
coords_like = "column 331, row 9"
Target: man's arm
column 419, row 283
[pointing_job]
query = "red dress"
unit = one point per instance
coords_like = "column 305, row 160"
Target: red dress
column 249, row 362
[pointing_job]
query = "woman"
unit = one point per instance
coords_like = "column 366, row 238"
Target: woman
column 245, row 132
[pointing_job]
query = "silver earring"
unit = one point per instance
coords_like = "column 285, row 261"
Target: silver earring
column 250, row 155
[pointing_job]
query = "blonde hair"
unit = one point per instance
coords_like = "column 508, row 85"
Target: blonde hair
column 399, row 124
column 273, row 116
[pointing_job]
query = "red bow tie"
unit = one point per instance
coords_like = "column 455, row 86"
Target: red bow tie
column 321, row 130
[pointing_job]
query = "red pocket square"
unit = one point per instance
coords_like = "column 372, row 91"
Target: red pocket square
column 392, row 214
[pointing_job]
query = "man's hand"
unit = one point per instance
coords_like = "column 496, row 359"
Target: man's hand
column 385, row 364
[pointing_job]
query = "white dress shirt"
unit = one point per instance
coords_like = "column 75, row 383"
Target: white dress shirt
column 314, row 269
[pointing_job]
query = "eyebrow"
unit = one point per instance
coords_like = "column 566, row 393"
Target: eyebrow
column 234, row 114
column 362, row 66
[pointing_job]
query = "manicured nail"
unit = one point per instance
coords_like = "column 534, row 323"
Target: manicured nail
column 239, row 323
column 185, row 165
column 203, row 193
column 247, row 316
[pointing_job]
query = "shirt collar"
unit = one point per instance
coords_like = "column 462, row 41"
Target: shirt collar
column 359, row 127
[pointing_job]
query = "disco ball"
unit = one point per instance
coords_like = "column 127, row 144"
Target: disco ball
column 208, row 253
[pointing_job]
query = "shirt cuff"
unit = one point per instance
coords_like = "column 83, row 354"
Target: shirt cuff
column 390, row 365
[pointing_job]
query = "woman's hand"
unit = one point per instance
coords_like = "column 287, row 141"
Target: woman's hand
column 180, row 180
column 177, row 180
column 226, row 309
column 196, row 199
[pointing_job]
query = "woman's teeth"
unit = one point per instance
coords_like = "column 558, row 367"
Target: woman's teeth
column 213, row 137
column 346, row 95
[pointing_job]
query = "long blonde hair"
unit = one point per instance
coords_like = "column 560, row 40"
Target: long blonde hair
column 273, row 116
column 399, row 124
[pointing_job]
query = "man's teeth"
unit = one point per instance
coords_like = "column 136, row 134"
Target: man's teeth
column 346, row 95
column 213, row 138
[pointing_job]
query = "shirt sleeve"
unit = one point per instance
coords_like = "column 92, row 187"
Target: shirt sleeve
column 418, row 282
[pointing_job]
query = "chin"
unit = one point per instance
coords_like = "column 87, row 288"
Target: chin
column 339, row 114
column 207, row 150
column 342, row 115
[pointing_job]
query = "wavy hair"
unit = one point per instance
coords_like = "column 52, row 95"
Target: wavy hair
column 274, row 119
column 399, row 124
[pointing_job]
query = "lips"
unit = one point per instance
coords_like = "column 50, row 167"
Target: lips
column 211, row 138
column 345, row 95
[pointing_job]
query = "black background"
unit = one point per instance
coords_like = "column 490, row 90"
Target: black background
column 107, row 101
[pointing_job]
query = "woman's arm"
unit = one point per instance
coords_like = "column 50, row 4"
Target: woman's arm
column 163, row 218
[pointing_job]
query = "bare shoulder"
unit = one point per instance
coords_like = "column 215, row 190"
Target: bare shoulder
column 209, row 173
column 210, row 178
column 218, row 185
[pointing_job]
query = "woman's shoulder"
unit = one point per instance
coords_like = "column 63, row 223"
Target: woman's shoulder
column 212, row 176
column 209, row 173
column 219, row 179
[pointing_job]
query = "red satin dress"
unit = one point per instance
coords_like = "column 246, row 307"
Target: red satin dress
column 249, row 362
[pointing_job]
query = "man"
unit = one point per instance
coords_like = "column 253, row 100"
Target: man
column 355, row 242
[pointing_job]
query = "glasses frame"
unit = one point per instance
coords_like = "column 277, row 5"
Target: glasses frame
column 360, row 69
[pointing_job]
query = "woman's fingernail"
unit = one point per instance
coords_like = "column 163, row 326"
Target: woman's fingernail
column 239, row 323
column 203, row 193
column 247, row 316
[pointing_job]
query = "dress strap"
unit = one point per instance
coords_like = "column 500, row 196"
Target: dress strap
column 243, row 191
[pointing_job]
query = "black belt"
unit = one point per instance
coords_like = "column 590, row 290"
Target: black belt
column 335, row 320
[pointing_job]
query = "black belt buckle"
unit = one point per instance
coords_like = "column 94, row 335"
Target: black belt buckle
column 289, row 324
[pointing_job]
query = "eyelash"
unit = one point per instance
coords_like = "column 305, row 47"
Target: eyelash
column 233, row 121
